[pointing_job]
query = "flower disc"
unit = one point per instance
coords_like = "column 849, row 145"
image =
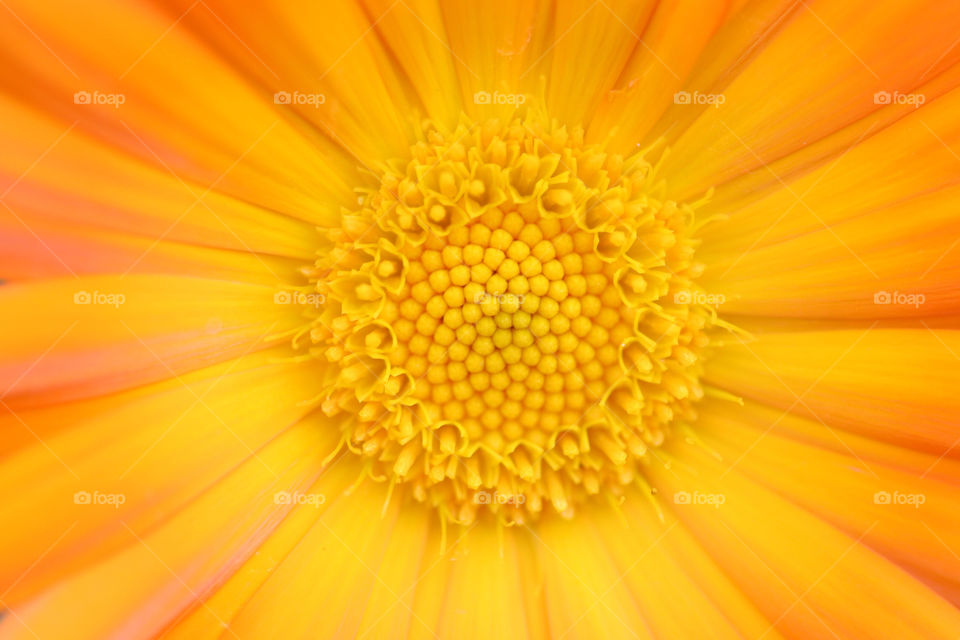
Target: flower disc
column 511, row 320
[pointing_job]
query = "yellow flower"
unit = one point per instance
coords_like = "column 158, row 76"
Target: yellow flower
column 504, row 319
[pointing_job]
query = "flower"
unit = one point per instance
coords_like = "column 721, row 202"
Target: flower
column 419, row 319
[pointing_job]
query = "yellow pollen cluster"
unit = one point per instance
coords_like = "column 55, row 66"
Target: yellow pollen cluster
column 508, row 320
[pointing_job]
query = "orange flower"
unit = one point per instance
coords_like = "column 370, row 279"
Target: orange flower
column 504, row 319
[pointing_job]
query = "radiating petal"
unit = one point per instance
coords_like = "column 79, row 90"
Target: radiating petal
column 73, row 338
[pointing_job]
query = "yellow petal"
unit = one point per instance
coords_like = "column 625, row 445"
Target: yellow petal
column 486, row 589
column 592, row 44
column 163, row 571
column 159, row 446
column 581, row 592
column 414, row 32
column 678, row 587
column 185, row 111
column 208, row 621
column 332, row 571
column 498, row 46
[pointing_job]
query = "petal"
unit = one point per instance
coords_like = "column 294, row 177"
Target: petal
column 45, row 249
column 162, row 571
column 414, row 32
column 499, row 46
column 680, row 590
column 895, row 385
column 843, row 488
column 778, row 99
column 592, row 42
column 58, row 173
column 671, row 45
column 332, row 571
column 158, row 446
column 878, row 218
column 582, row 593
column 192, row 119
column 485, row 591
column 366, row 104
column 208, row 619
column 793, row 565
column 75, row 338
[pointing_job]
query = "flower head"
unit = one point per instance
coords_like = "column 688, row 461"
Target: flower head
column 537, row 319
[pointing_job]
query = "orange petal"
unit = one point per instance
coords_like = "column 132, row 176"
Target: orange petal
column 74, row 338
column 57, row 173
column 874, row 220
column 45, row 249
column 793, row 565
column 895, row 385
column 186, row 114
column 777, row 98
column 672, row 44
column 913, row 512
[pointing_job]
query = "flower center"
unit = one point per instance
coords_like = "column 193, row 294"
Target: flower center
column 510, row 320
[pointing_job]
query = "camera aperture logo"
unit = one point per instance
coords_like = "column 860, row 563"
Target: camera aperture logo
column 686, row 97
column 895, row 97
column 495, row 497
column 99, row 297
column 499, row 298
column 99, row 98
column 299, row 98
column 699, row 297
column 312, row 299
column 99, row 498
column 698, row 498
column 896, row 297
column 298, row 498
column 897, row 498
column 485, row 97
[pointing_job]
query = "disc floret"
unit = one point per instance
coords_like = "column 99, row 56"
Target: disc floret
column 509, row 325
